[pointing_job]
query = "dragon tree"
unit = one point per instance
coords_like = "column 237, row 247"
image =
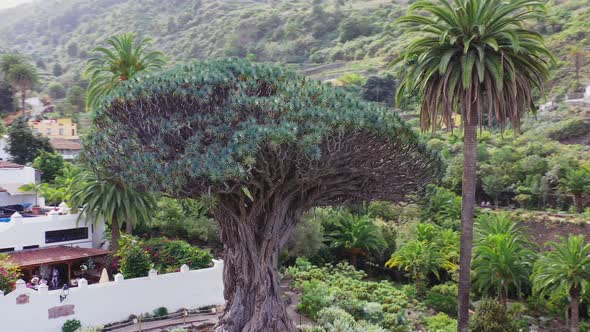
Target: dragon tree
column 268, row 145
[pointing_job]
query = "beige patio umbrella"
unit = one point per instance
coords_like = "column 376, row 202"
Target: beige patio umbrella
column 104, row 276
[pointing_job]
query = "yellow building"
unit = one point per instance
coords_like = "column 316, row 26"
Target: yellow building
column 56, row 128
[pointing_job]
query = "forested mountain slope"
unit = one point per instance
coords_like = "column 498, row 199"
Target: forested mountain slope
column 358, row 34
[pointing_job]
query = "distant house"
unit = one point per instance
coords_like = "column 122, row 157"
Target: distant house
column 62, row 134
column 63, row 128
column 69, row 149
column 12, row 177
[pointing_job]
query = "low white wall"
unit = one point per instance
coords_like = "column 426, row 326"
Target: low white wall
column 21, row 231
column 27, row 310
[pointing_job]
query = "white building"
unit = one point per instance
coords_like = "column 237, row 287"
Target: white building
column 12, row 177
column 4, row 156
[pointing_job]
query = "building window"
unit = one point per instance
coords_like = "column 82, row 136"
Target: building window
column 73, row 132
column 6, row 249
column 65, row 235
column 48, row 131
column 30, row 247
column 61, row 131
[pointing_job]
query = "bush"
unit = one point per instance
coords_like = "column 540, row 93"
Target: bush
column 441, row 323
column 491, row 316
column 329, row 315
column 135, row 261
column 443, row 298
column 71, row 325
column 9, row 274
column 168, row 255
column 316, row 296
column 160, row 312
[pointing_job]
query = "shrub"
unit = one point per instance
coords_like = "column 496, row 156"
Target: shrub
column 9, row 274
column 160, row 312
column 441, row 323
column 316, row 296
column 443, row 298
column 135, row 261
column 329, row 315
column 491, row 316
column 169, row 256
column 71, row 325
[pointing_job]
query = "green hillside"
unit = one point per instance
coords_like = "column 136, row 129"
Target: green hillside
column 358, row 35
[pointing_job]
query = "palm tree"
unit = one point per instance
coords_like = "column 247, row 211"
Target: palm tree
column 577, row 182
column 501, row 263
column 122, row 61
column 420, row 259
column 472, row 57
column 9, row 60
column 566, row 268
column 23, row 77
column 112, row 200
column 358, row 235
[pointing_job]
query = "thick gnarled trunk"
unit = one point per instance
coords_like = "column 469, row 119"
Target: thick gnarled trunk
column 468, row 202
column 251, row 277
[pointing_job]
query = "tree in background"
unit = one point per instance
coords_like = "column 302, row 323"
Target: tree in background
column 125, row 58
column 56, row 90
column 57, row 70
column 472, row 57
column 565, row 268
column 493, row 185
column 24, row 145
column 23, row 77
column 50, row 164
column 577, row 183
column 76, row 96
column 380, row 89
column 268, row 145
column 111, row 200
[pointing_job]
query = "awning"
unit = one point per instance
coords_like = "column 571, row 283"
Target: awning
column 53, row 255
column 13, row 189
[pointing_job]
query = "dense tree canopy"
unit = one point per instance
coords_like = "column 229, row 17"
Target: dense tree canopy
column 24, row 145
column 269, row 145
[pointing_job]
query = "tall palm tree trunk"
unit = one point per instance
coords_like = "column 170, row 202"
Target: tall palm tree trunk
column 575, row 318
column 579, row 203
column 468, row 196
column 24, row 97
column 115, row 234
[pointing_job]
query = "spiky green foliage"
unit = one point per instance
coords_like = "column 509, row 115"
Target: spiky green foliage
column 356, row 234
column 9, row 60
column 503, row 258
column 565, row 267
column 420, row 259
column 112, row 200
column 501, row 264
column 206, row 124
column 124, row 58
column 473, row 56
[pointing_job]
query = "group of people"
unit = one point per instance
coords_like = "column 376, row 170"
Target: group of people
column 38, row 280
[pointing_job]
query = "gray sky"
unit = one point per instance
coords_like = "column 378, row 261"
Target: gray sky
column 11, row 3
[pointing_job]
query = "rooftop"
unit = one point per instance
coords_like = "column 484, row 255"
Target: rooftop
column 8, row 164
column 65, row 144
column 53, row 255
